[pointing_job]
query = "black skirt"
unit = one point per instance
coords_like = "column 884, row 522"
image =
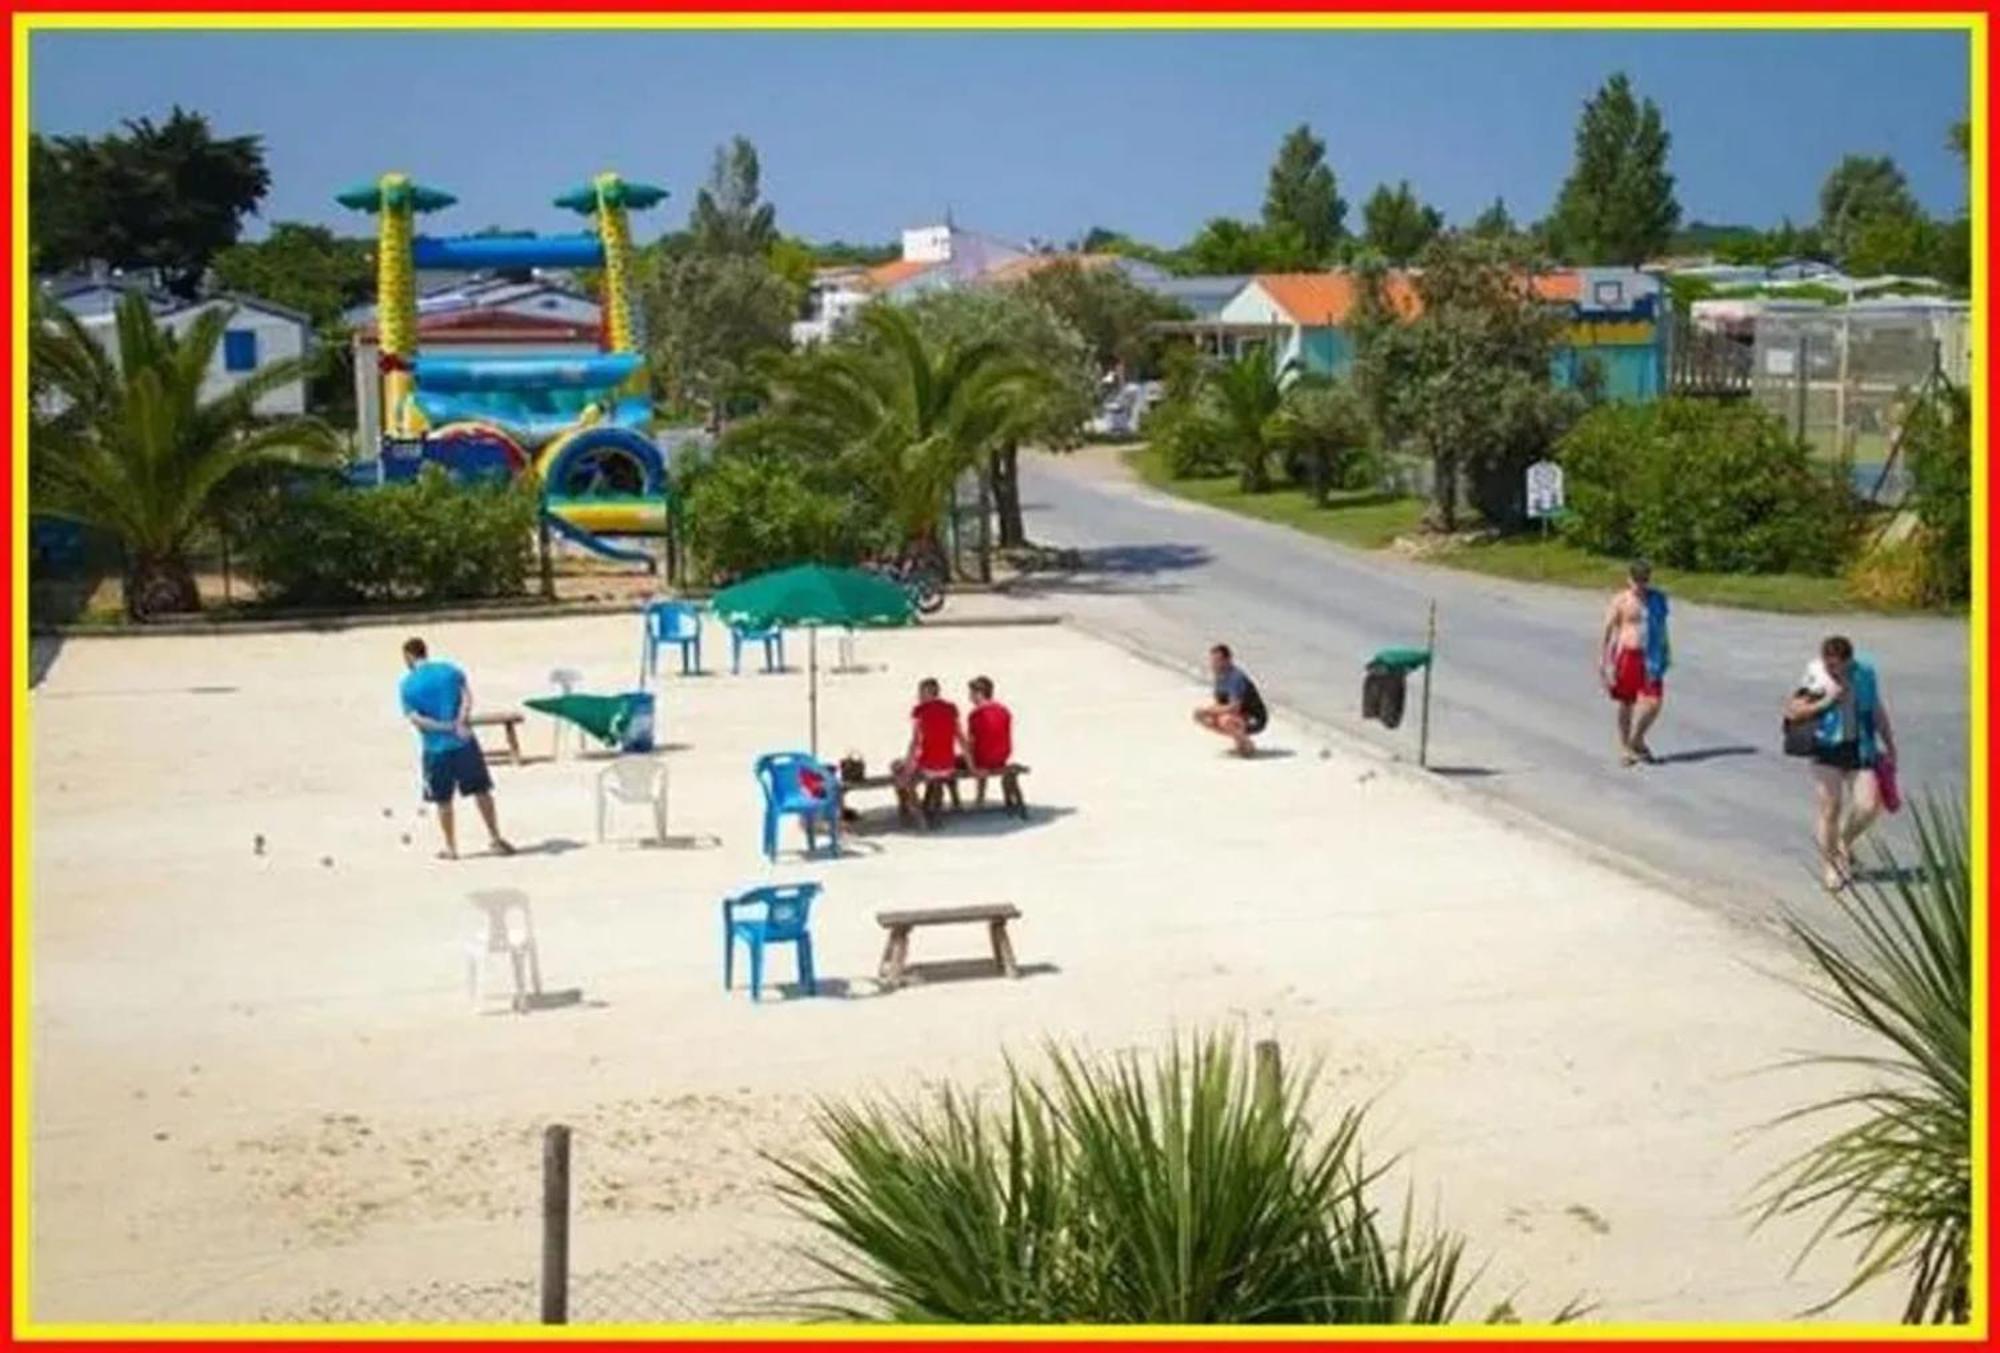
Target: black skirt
column 1839, row 755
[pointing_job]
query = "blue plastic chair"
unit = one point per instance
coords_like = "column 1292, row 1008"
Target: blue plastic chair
column 784, row 796
column 773, row 640
column 672, row 622
column 780, row 915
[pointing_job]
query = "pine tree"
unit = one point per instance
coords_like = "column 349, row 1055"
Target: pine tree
column 1399, row 226
column 1303, row 195
column 1617, row 206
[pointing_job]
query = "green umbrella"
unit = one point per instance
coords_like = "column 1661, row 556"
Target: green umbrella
column 601, row 716
column 813, row 595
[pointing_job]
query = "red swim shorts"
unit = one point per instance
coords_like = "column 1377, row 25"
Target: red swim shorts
column 1628, row 678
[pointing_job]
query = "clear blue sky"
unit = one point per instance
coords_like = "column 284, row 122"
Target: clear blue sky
column 1020, row 134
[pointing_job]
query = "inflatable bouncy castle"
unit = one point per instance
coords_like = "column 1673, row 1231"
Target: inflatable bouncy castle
column 577, row 423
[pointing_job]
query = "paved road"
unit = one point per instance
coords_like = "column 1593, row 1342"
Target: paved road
column 1516, row 707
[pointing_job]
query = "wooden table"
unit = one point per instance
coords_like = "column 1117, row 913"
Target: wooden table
column 899, row 924
column 510, row 722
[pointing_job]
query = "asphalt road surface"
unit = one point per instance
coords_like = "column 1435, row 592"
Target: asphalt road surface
column 1517, row 710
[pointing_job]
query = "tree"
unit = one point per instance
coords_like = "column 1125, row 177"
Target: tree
column 793, row 260
column 1617, row 206
column 1302, row 196
column 134, row 449
column 899, row 417
column 1113, row 314
column 1245, row 398
column 1048, row 410
column 728, row 217
column 1320, row 428
column 1860, row 190
column 1398, row 225
column 1494, row 223
column 708, row 317
column 1896, row 243
column 164, row 197
column 1227, row 246
column 1468, row 381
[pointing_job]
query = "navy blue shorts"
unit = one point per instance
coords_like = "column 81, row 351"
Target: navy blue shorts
column 459, row 768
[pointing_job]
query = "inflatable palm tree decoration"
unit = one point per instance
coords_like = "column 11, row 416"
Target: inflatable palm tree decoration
column 608, row 198
column 395, row 200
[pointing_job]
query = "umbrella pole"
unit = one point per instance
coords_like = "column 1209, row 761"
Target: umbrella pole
column 812, row 684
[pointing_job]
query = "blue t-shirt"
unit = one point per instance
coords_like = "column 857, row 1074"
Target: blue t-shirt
column 434, row 690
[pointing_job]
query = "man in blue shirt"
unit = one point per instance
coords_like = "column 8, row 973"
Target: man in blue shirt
column 438, row 702
column 1238, row 711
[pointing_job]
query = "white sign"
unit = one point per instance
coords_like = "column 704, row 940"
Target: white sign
column 1778, row 362
column 1545, row 489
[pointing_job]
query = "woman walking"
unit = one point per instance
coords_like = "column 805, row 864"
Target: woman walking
column 1841, row 697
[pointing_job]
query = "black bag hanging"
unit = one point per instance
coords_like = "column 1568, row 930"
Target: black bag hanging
column 1801, row 735
column 1382, row 694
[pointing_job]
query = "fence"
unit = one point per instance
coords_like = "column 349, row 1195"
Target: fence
column 1844, row 380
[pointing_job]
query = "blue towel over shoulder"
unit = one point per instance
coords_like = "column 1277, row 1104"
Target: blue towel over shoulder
column 1659, row 653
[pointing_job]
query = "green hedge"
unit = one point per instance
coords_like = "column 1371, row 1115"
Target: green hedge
column 1701, row 485
column 431, row 540
column 747, row 513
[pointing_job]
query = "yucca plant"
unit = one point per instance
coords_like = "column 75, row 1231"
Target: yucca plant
column 1113, row 1192
column 125, row 440
column 1896, row 1174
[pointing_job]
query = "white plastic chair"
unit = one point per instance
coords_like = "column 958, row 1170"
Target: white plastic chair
column 505, row 928
column 634, row 779
column 845, row 653
column 565, row 680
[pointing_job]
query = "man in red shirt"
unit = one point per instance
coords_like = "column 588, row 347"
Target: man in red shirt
column 989, row 733
column 934, row 742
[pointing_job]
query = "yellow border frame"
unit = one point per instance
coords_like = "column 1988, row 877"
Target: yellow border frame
column 24, row 26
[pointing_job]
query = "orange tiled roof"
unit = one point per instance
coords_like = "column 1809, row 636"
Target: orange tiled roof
column 886, row 275
column 1320, row 299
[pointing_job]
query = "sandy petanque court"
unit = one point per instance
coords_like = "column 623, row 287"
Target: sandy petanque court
column 261, row 1091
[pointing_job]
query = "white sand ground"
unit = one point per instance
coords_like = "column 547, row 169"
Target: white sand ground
column 260, row 1092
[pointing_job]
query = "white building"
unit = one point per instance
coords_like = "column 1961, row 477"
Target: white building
column 259, row 334
column 933, row 258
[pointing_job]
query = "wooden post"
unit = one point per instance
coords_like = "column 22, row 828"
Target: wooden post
column 1799, row 398
column 1270, row 1074
column 547, row 564
column 1430, row 661
column 1840, row 388
column 555, row 1225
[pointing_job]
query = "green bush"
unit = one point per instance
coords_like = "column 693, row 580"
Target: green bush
column 1192, row 443
column 747, row 513
column 431, row 540
column 1181, row 1189
column 1699, row 485
column 1938, row 440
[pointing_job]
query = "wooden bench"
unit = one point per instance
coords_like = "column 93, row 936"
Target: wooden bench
column 936, row 784
column 899, row 924
column 509, row 721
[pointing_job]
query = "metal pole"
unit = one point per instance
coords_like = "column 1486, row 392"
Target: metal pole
column 548, row 565
column 1430, row 661
column 1840, row 387
column 1799, row 398
column 555, row 1225
column 1270, row 1076
column 812, row 684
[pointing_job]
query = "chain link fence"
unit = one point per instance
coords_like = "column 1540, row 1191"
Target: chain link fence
column 1844, row 380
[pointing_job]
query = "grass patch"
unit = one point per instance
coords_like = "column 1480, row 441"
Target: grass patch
column 1367, row 520
column 1370, row 521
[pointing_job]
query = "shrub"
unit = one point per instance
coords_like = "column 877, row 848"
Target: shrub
column 747, row 513
column 1699, row 485
column 1192, row 444
column 1181, row 1192
column 431, row 540
column 1938, row 440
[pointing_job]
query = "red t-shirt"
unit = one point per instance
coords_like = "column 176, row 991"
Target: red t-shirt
column 937, row 734
column 991, row 729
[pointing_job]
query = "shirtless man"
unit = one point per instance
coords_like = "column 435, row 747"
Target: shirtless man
column 1632, row 660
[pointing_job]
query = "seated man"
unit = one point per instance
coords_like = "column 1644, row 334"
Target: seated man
column 1238, row 710
column 934, row 743
column 989, row 733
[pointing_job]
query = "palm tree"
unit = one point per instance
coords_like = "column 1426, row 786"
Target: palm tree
column 128, row 444
column 908, row 417
column 1245, row 396
column 1189, row 1191
column 1897, row 1173
column 1319, row 426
